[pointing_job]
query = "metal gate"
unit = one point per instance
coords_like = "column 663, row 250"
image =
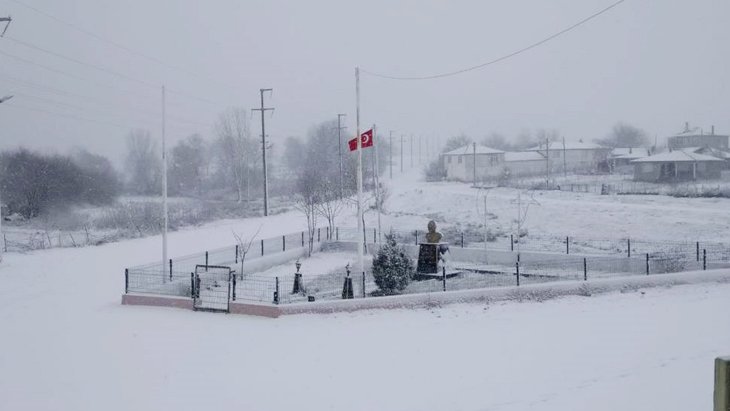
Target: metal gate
column 212, row 288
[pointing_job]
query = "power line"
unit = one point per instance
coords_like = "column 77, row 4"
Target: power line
column 13, row 104
column 85, row 98
column 116, row 44
column 499, row 59
column 106, row 70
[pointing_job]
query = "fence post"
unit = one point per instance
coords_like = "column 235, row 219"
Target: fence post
column 318, row 235
column 206, row 261
column 283, row 243
column 443, row 276
column 233, row 278
column 698, row 251
column 416, row 237
column 629, row 247
column 262, row 246
column 171, row 269
column 327, row 233
column 567, row 245
column 647, row 263
column 5, row 243
column 192, row 285
column 126, row 280
column 585, row 269
column 302, row 238
column 511, row 242
column 363, row 285
column 704, row 259
column 236, row 253
column 276, row 292
column 517, row 270
column 375, row 235
column 337, row 233
column 721, row 395
column 462, row 239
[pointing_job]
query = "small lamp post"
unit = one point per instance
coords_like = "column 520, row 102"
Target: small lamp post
column 297, row 288
column 347, row 292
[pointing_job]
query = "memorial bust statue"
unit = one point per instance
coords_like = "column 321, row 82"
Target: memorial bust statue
column 433, row 236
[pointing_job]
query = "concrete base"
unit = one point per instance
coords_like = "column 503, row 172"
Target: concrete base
column 541, row 291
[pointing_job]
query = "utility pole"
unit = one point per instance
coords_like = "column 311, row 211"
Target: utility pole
column 401, row 153
column 7, row 21
column 339, row 148
column 474, row 145
column 547, row 161
column 164, row 193
column 2, row 246
column 565, row 161
column 419, row 149
column 263, row 147
column 411, row 151
column 391, row 154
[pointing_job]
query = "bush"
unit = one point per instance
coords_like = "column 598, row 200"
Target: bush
column 392, row 268
column 434, row 171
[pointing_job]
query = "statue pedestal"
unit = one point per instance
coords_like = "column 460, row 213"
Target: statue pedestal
column 428, row 257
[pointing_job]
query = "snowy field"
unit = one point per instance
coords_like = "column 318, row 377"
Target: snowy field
column 68, row 344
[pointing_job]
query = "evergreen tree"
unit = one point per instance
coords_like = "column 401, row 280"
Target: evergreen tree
column 392, row 268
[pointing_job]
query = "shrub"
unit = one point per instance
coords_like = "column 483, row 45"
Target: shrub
column 434, row 171
column 392, row 268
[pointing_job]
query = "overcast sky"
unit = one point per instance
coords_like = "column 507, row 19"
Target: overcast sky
column 652, row 63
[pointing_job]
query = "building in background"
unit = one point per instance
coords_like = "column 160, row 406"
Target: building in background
column 620, row 158
column 459, row 163
column 574, row 157
column 676, row 166
column 696, row 137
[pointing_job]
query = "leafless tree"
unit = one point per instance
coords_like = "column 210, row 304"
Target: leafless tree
column 308, row 200
column 237, row 150
column 143, row 163
column 244, row 245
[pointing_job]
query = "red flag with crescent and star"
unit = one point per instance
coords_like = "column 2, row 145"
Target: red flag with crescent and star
column 367, row 140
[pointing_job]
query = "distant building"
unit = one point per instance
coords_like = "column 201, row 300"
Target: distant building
column 620, row 158
column 697, row 138
column 459, row 163
column 524, row 163
column 676, row 166
column 574, row 156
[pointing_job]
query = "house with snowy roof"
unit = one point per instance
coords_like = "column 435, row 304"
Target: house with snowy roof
column 696, row 137
column 573, row 156
column 677, row 165
column 464, row 162
column 619, row 159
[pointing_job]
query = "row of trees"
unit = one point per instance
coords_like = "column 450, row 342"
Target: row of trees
column 32, row 182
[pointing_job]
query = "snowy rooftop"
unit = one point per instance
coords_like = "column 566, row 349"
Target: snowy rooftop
column 676, row 156
column 469, row 149
column 523, row 156
column 627, row 152
column 569, row 145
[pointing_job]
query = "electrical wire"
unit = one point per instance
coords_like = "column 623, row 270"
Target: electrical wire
column 118, row 45
column 499, row 59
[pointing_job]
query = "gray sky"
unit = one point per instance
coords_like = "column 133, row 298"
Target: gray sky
column 651, row 63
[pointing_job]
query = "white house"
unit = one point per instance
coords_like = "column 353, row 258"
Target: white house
column 459, row 163
column 524, row 163
column 574, row 156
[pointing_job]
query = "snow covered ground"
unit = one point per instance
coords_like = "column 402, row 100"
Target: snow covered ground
column 68, row 344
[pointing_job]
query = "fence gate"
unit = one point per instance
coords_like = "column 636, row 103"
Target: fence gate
column 212, row 288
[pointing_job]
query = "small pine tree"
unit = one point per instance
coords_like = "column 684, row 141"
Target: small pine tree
column 392, row 268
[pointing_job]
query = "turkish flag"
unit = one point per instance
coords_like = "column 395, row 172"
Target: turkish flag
column 367, row 140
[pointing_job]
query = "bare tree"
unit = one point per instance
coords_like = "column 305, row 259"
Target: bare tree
column 625, row 135
column 308, row 201
column 244, row 245
column 523, row 206
column 143, row 163
column 237, row 150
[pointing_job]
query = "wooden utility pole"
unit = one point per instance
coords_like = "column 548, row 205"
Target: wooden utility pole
column 474, row 145
column 565, row 161
column 401, row 153
column 547, row 162
column 263, row 110
column 391, row 154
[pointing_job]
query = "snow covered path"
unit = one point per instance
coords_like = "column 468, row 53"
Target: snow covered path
column 67, row 344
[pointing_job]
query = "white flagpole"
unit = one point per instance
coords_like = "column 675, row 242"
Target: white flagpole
column 377, row 181
column 164, row 192
column 360, row 245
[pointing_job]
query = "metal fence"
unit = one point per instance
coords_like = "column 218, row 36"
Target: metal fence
column 28, row 240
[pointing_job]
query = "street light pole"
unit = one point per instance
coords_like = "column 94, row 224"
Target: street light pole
column 2, row 100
